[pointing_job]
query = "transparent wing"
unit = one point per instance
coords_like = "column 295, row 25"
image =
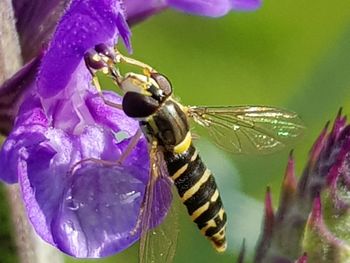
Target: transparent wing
column 158, row 241
column 249, row 129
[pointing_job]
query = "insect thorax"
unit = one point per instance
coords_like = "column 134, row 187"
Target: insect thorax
column 168, row 124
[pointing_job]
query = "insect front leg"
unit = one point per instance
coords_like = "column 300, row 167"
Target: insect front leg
column 146, row 69
column 96, row 63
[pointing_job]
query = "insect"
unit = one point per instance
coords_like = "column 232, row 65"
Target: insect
column 148, row 98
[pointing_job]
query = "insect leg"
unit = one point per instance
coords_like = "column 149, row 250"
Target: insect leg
column 95, row 63
column 93, row 160
column 133, row 141
column 147, row 69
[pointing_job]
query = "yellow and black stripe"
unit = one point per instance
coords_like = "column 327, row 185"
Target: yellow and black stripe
column 198, row 191
column 163, row 119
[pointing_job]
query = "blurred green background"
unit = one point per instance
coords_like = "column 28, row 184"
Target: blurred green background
column 291, row 54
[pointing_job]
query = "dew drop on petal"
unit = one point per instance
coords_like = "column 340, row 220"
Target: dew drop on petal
column 72, row 204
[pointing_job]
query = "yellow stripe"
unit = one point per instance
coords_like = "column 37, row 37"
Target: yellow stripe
column 218, row 235
column 221, row 213
column 194, row 156
column 205, row 207
column 200, row 211
column 209, row 224
column 153, row 125
column 179, row 172
column 184, row 145
column 215, row 196
column 190, row 192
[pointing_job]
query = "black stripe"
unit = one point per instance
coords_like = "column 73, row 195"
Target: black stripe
column 191, row 166
column 202, row 196
column 220, row 224
column 193, row 173
column 172, row 124
column 176, row 161
column 190, row 176
column 209, row 214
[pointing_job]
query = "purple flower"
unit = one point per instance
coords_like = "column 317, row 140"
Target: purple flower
column 37, row 20
column 54, row 118
column 89, row 212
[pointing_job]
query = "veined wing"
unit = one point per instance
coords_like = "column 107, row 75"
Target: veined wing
column 158, row 244
column 249, row 129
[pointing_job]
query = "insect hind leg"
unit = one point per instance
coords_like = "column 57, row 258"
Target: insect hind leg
column 130, row 147
column 93, row 160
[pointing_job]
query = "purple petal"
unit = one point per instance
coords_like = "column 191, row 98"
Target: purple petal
column 213, row 8
column 36, row 20
column 245, row 5
column 49, row 191
column 137, row 10
column 31, row 126
column 13, row 148
column 99, row 210
column 84, row 25
column 40, row 173
column 34, row 179
column 13, row 91
column 106, row 115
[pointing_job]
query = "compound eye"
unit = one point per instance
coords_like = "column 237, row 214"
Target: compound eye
column 136, row 105
column 163, row 83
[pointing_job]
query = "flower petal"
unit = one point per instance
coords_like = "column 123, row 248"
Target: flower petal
column 85, row 24
column 31, row 125
column 13, row 91
column 36, row 20
column 111, row 117
column 137, row 10
column 213, row 8
column 246, row 5
column 40, row 176
column 99, row 210
column 50, row 190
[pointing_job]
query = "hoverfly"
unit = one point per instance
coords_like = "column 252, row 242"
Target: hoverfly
column 148, row 98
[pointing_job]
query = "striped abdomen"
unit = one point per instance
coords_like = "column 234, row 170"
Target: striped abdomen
column 194, row 182
column 198, row 191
